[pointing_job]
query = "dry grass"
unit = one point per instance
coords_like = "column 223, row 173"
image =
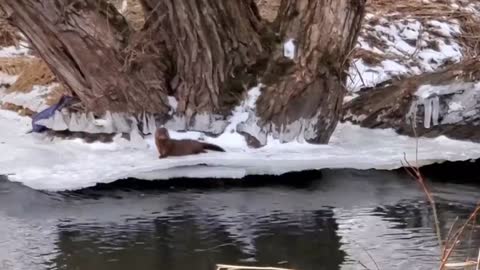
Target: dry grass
column 14, row 66
column 369, row 57
column 35, row 73
column 471, row 34
column 417, row 9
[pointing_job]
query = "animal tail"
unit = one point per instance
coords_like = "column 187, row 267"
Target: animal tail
column 212, row 147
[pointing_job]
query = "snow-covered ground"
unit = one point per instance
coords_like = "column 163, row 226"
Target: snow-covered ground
column 390, row 45
column 13, row 51
column 33, row 100
column 409, row 47
column 41, row 163
column 387, row 47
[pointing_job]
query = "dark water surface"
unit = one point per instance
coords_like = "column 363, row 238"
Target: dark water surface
column 333, row 223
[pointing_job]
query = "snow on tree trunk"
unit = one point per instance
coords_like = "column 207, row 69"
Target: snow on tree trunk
column 306, row 75
column 446, row 102
column 215, row 47
column 205, row 54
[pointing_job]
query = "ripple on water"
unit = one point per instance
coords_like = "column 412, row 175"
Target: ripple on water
column 333, row 224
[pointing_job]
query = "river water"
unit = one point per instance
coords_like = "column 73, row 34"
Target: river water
column 340, row 221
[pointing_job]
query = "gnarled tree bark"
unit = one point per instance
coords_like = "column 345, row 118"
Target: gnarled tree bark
column 206, row 54
column 83, row 42
column 303, row 96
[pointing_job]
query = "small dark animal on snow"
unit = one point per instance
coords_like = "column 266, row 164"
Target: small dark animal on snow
column 170, row 147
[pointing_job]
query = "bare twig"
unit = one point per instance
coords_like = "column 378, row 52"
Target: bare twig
column 448, row 235
column 415, row 173
column 368, row 254
column 459, row 233
column 478, row 260
column 363, row 265
column 447, row 250
column 371, row 258
column 359, row 74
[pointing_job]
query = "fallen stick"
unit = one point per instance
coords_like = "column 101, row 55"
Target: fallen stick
column 460, row 265
column 238, row 267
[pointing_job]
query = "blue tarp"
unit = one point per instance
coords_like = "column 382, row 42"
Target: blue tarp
column 49, row 112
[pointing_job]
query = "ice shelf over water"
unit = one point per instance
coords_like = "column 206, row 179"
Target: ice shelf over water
column 394, row 47
column 42, row 163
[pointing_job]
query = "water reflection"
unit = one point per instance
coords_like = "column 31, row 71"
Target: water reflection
column 186, row 241
column 344, row 218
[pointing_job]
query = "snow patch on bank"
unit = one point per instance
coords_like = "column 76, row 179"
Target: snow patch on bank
column 393, row 47
column 43, row 163
column 6, row 79
column 33, row 100
column 239, row 115
column 13, row 51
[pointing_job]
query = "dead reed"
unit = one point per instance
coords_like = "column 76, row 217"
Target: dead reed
column 454, row 236
column 35, row 73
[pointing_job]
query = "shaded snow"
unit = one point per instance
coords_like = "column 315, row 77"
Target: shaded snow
column 13, row 51
column 445, row 29
column 173, row 103
column 48, row 164
column 32, row 100
column 368, row 76
column 7, row 79
column 428, row 91
column 453, row 104
column 407, row 47
column 239, row 115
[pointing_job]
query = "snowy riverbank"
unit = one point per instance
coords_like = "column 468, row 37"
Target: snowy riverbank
column 57, row 165
column 396, row 40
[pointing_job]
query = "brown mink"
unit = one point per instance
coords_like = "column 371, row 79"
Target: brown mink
column 170, row 147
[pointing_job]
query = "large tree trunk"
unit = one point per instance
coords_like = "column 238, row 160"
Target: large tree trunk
column 83, row 42
column 214, row 56
column 205, row 53
column 304, row 93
